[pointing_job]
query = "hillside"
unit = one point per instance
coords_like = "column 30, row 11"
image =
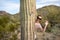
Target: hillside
column 48, row 9
column 4, row 13
column 8, row 26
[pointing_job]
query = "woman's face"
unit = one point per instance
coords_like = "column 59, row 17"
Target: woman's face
column 39, row 20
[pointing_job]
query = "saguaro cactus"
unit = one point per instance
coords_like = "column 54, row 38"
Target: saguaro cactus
column 27, row 19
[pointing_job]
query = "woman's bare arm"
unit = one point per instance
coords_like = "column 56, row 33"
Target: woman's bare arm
column 46, row 23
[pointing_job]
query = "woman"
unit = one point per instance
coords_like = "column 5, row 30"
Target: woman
column 38, row 25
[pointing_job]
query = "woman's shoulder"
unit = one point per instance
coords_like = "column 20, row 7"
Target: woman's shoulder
column 37, row 23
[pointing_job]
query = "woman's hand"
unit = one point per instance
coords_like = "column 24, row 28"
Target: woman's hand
column 46, row 23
